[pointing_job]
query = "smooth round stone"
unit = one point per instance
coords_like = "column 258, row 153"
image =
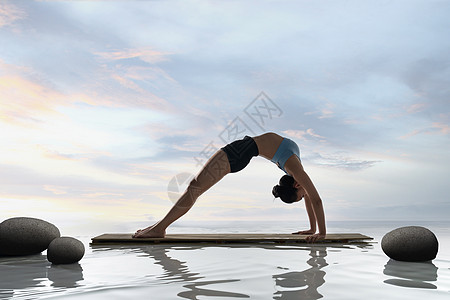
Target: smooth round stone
column 411, row 243
column 26, row 236
column 65, row 250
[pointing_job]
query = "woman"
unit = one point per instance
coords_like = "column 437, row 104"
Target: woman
column 232, row 158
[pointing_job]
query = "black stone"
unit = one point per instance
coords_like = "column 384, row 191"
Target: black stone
column 411, row 243
column 26, row 236
column 65, row 250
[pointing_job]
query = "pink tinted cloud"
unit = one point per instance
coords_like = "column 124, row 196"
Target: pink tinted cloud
column 415, row 108
column 442, row 128
column 9, row 14
column 303, row 134
column 27, row 100
column 148, row 55
column 24, row 102
column 435, row 128
column 132, row 83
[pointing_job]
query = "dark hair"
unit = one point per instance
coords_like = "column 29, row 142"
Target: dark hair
column 285, row 190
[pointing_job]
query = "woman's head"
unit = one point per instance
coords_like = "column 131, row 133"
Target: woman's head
column 285, row 190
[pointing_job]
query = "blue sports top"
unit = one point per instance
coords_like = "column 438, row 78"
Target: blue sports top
column 286, row 149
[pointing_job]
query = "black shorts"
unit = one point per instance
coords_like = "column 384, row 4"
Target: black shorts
column 240, row 153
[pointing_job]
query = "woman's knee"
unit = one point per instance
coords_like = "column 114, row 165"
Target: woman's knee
column 195, row 189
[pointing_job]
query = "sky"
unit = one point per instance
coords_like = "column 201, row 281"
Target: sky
column 108, row 107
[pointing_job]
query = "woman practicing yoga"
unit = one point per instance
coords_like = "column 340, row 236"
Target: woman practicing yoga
column 235, row 156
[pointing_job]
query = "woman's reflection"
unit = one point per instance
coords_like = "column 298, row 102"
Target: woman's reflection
column 175, row 270
column 303, row 285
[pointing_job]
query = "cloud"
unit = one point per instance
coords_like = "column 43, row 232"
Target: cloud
column 339, row 161
column 148, row 55
column 26, row 102
column 74, row 188
column 442, row 128
column 431, row 211
column 416, row 107
column 10, row 13
column 325, row 112
column 28, row 99
column 428, row 79
column 55, row 190
column 136, row 71
column 303, row 134
column 103, row 195
column 436, row 128
column 52, row 154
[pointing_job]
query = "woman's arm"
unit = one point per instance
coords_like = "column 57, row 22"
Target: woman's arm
column 311, row 216
column 294, row 167
column 316, row 202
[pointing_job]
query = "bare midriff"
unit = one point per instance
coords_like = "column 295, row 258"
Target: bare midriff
column 268, row 144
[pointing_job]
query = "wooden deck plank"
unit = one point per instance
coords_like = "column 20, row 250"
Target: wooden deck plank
column 242, row 238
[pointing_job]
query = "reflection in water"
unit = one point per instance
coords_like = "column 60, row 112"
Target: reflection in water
column 18, row 273
column 411, row 274
column 173, row 269
column 65, row 276
column 21, row 275
column 288, row 285
column 303, row 285
column 196, row 291
column 177, row 270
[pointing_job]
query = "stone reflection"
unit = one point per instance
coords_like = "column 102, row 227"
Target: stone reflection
column 305, row 284
column 411, row 274
column 25, row 273
column 65, row 276
column 175, row 270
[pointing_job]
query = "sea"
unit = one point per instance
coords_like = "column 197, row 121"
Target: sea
column 252, row 271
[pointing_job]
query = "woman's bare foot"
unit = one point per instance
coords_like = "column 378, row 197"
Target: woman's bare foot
column 148, row 228
column 150, row 232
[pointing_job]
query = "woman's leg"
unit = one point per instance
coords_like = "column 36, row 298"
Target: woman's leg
column 213, row 171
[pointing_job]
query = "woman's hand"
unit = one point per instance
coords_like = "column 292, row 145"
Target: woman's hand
column 309, row 231
column 315, row 237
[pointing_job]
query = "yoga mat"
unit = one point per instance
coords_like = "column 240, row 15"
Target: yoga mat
column 225, row 238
